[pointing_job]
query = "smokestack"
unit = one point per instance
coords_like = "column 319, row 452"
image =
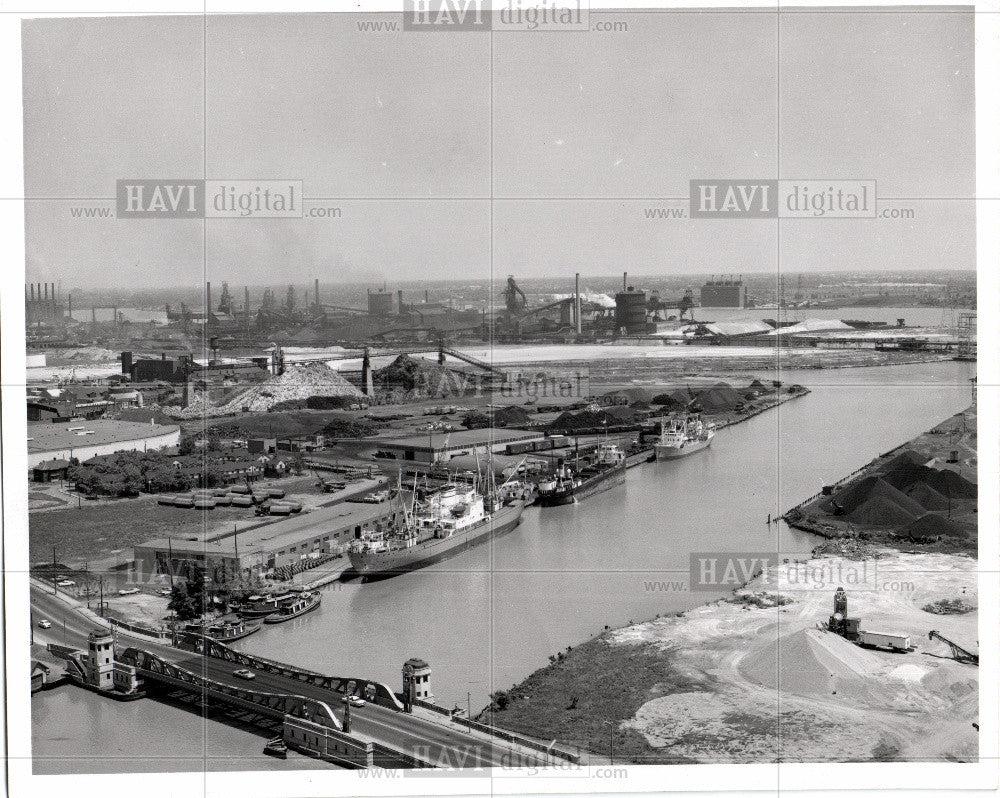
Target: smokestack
column 46, row 291
column 625, row 281
column 399, row 296
column 69, row 307
column 53, row 292
column 246, row 299
column 32, row 287
column 427, row 296
column 579, row 307
column 208, row 299
column 316, row 291
column 39, row 291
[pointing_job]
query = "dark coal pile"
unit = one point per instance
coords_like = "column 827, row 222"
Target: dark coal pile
column 932, row 526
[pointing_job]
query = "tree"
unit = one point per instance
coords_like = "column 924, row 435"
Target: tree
column 181, row 603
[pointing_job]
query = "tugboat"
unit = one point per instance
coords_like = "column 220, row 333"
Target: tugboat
column 682, row 436
column 439, row 523
column 297, row 606
column 262, row 606
column 604, row 471
column 224, row 632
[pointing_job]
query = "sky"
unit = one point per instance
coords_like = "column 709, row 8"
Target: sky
column 575, row 136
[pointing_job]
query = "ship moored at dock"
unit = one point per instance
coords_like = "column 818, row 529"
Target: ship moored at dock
column 440, row 523
column 602, row 470
column 682, row 436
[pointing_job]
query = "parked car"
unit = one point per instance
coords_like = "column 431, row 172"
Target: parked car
column 166, row 591
column 130, row 591
column 44, row 624
column 353, row 700
column 245, row 673
column 66, row 583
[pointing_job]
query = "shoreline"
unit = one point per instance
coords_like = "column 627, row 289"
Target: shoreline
column 658, row 677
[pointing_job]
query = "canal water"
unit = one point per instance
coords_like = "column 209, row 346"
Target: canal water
column 487, row 618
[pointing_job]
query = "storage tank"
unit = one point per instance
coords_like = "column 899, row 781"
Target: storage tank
column 630, row 311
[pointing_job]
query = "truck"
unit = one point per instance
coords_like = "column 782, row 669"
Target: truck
column 892, row 641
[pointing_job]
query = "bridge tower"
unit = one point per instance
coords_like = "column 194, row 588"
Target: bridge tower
column 101, row 660
column 416, row 682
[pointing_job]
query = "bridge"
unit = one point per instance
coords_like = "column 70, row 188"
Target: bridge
column 307, row 705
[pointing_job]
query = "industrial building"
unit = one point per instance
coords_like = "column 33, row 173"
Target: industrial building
column 440, row 448
column 262, row 547
column 48, row 441
column 727, row 292
column 41, row 305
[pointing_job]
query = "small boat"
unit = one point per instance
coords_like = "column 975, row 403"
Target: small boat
column 307, row 602
column 276, row 748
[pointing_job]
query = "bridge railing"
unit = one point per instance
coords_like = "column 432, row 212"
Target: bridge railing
column 375, row 692
column 152, row 666
column 511, row 737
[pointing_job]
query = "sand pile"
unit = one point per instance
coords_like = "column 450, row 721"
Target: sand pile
column 810, row 662
column 299, row 383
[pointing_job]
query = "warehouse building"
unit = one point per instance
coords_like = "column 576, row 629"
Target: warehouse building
column 440, row 447
column 86, row 439
column 261, row 547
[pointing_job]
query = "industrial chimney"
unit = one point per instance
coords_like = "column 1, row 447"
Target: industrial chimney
column 578, row 307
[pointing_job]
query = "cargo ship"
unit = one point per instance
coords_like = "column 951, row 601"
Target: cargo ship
column 293, row 608
column 682, row 436
column 604, row 470
column 440, row 523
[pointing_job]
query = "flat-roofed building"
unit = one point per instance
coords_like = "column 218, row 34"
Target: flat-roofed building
column 262, row 546
column 86, row 439
column 440, row 447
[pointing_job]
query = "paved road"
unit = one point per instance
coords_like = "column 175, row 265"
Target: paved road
column 438, row 743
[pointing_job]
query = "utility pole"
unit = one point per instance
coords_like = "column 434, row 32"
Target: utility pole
column 54, row 577
column 101, row 582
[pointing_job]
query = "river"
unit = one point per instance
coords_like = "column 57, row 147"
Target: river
column 487, row 618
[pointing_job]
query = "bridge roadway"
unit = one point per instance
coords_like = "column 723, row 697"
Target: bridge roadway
column 435, row 741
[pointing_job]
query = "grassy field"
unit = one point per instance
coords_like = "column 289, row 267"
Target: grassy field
column 609, row 682
column 97, row 531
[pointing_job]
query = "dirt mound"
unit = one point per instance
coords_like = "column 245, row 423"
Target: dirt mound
column 883, row 511
column 851, row 498
column 413, row 378
column 943, row 481
column 904, row 458
column 931, row 526
column 720, row 396
column 511, row 416
column 926, row 495
column 585, row 419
